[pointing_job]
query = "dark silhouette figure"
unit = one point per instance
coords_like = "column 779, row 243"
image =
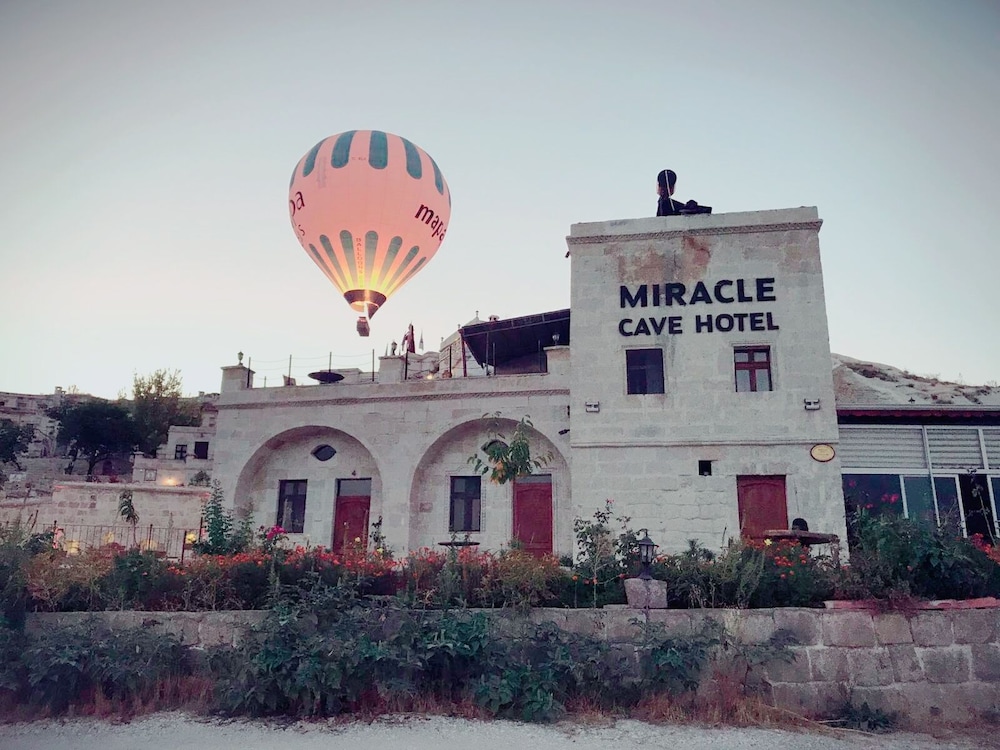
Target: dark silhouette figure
column 667, row 206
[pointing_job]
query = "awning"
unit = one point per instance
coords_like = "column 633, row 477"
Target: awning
column 499, row 341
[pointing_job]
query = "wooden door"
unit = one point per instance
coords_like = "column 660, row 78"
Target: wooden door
column 533, row 513
column 350, row 519
column 762, row 504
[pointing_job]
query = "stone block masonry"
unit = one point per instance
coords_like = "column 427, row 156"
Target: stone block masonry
column 930, row 666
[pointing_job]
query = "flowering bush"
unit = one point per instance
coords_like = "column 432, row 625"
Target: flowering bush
column 465, row 576
column 897, row 559
column 57, row 581
column 790, row 575
column 749, row 573
column 515, row 578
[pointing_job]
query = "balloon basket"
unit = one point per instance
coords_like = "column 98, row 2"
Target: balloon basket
column 363, row 329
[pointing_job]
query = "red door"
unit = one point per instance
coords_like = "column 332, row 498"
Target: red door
column 762, row 504
column 533, row 513
column 350, row 519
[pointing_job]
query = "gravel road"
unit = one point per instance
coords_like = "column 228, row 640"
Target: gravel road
column 175, row 731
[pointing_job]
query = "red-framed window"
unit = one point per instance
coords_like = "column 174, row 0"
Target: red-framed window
column 753, row 368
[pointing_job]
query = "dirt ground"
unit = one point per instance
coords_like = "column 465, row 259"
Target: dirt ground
column 175, row 731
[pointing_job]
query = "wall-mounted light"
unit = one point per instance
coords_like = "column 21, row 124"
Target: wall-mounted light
column 811, row 404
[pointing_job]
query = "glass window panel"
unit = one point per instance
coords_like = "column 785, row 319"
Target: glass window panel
column 292, row 505
column 354, row 488
column 879, row 494
column 644, row 371
column 975, row 492
column 760, row 356
column 654, row 374
column 763, row 380
column 742, row 380
column 464, row 504
column 742, row 356
column 949, row 514
column 920, row 500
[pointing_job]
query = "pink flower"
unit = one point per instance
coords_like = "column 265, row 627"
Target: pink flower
column 274, row 531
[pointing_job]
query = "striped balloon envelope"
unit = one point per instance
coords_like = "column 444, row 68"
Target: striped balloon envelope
column 371, row 209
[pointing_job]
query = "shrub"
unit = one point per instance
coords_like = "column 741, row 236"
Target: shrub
column 604, row 557
column 223, row 533
column 517, row 579
column 19, row 543
column 58, row 582
column 790, row 576
column 133, row 581
column 895, row 559
column 746, row 574
column 64, row 665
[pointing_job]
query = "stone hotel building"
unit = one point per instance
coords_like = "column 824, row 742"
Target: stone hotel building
column 690, row 383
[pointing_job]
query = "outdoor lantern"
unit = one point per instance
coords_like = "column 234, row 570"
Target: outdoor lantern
column 647, row 551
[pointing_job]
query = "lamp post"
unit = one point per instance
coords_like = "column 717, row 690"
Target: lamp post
column 647, row 551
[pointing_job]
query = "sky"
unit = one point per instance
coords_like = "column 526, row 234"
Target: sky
column 145, row 152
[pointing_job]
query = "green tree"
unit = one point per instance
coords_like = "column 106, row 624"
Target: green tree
column 14, row 440
column 506, row 461
column 156, row 405
column 96, row 430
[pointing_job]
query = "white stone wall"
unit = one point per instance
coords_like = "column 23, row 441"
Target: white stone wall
column 411, row 436
column 82, row 504
column 643, row 450
column 408, row 437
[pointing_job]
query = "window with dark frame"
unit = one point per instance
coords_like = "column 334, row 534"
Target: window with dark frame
column 292, row 505
column 753, row 368
column 466, row 504
column 180, row 452
column 644, row 370
column 201, row 449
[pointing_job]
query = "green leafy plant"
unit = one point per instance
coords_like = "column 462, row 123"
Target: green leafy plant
column 896, row 559
column 604, row 556
column 19, row 543
column 14, row 441
column 201, row 478
column 64, row 665
column 506, row 460
column 224, row 534
column 864, row 718
column 127, row 512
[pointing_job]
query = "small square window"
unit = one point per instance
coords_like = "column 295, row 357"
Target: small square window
column 753, row 368
column 644, row 370
column 201, row 449
column 180, row 452
column 705, row 468
column 466, row 505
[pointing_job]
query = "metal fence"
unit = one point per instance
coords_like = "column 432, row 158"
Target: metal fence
column 167, row 541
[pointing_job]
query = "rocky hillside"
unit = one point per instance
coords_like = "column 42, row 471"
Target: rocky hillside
column 857, row 382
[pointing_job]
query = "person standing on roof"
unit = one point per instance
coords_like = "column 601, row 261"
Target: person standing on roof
column 667, row 206
column 665, row 182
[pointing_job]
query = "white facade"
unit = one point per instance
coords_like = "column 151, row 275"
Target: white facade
column 760, row 270
column 188, row 453
column 649, row 452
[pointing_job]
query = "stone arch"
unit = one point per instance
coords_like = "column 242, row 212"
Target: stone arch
column 289, row 456
column 448, row 456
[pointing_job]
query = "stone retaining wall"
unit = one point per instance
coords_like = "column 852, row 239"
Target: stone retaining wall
column 928, row 665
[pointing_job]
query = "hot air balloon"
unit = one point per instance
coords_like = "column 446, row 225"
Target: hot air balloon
column 370, row 208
